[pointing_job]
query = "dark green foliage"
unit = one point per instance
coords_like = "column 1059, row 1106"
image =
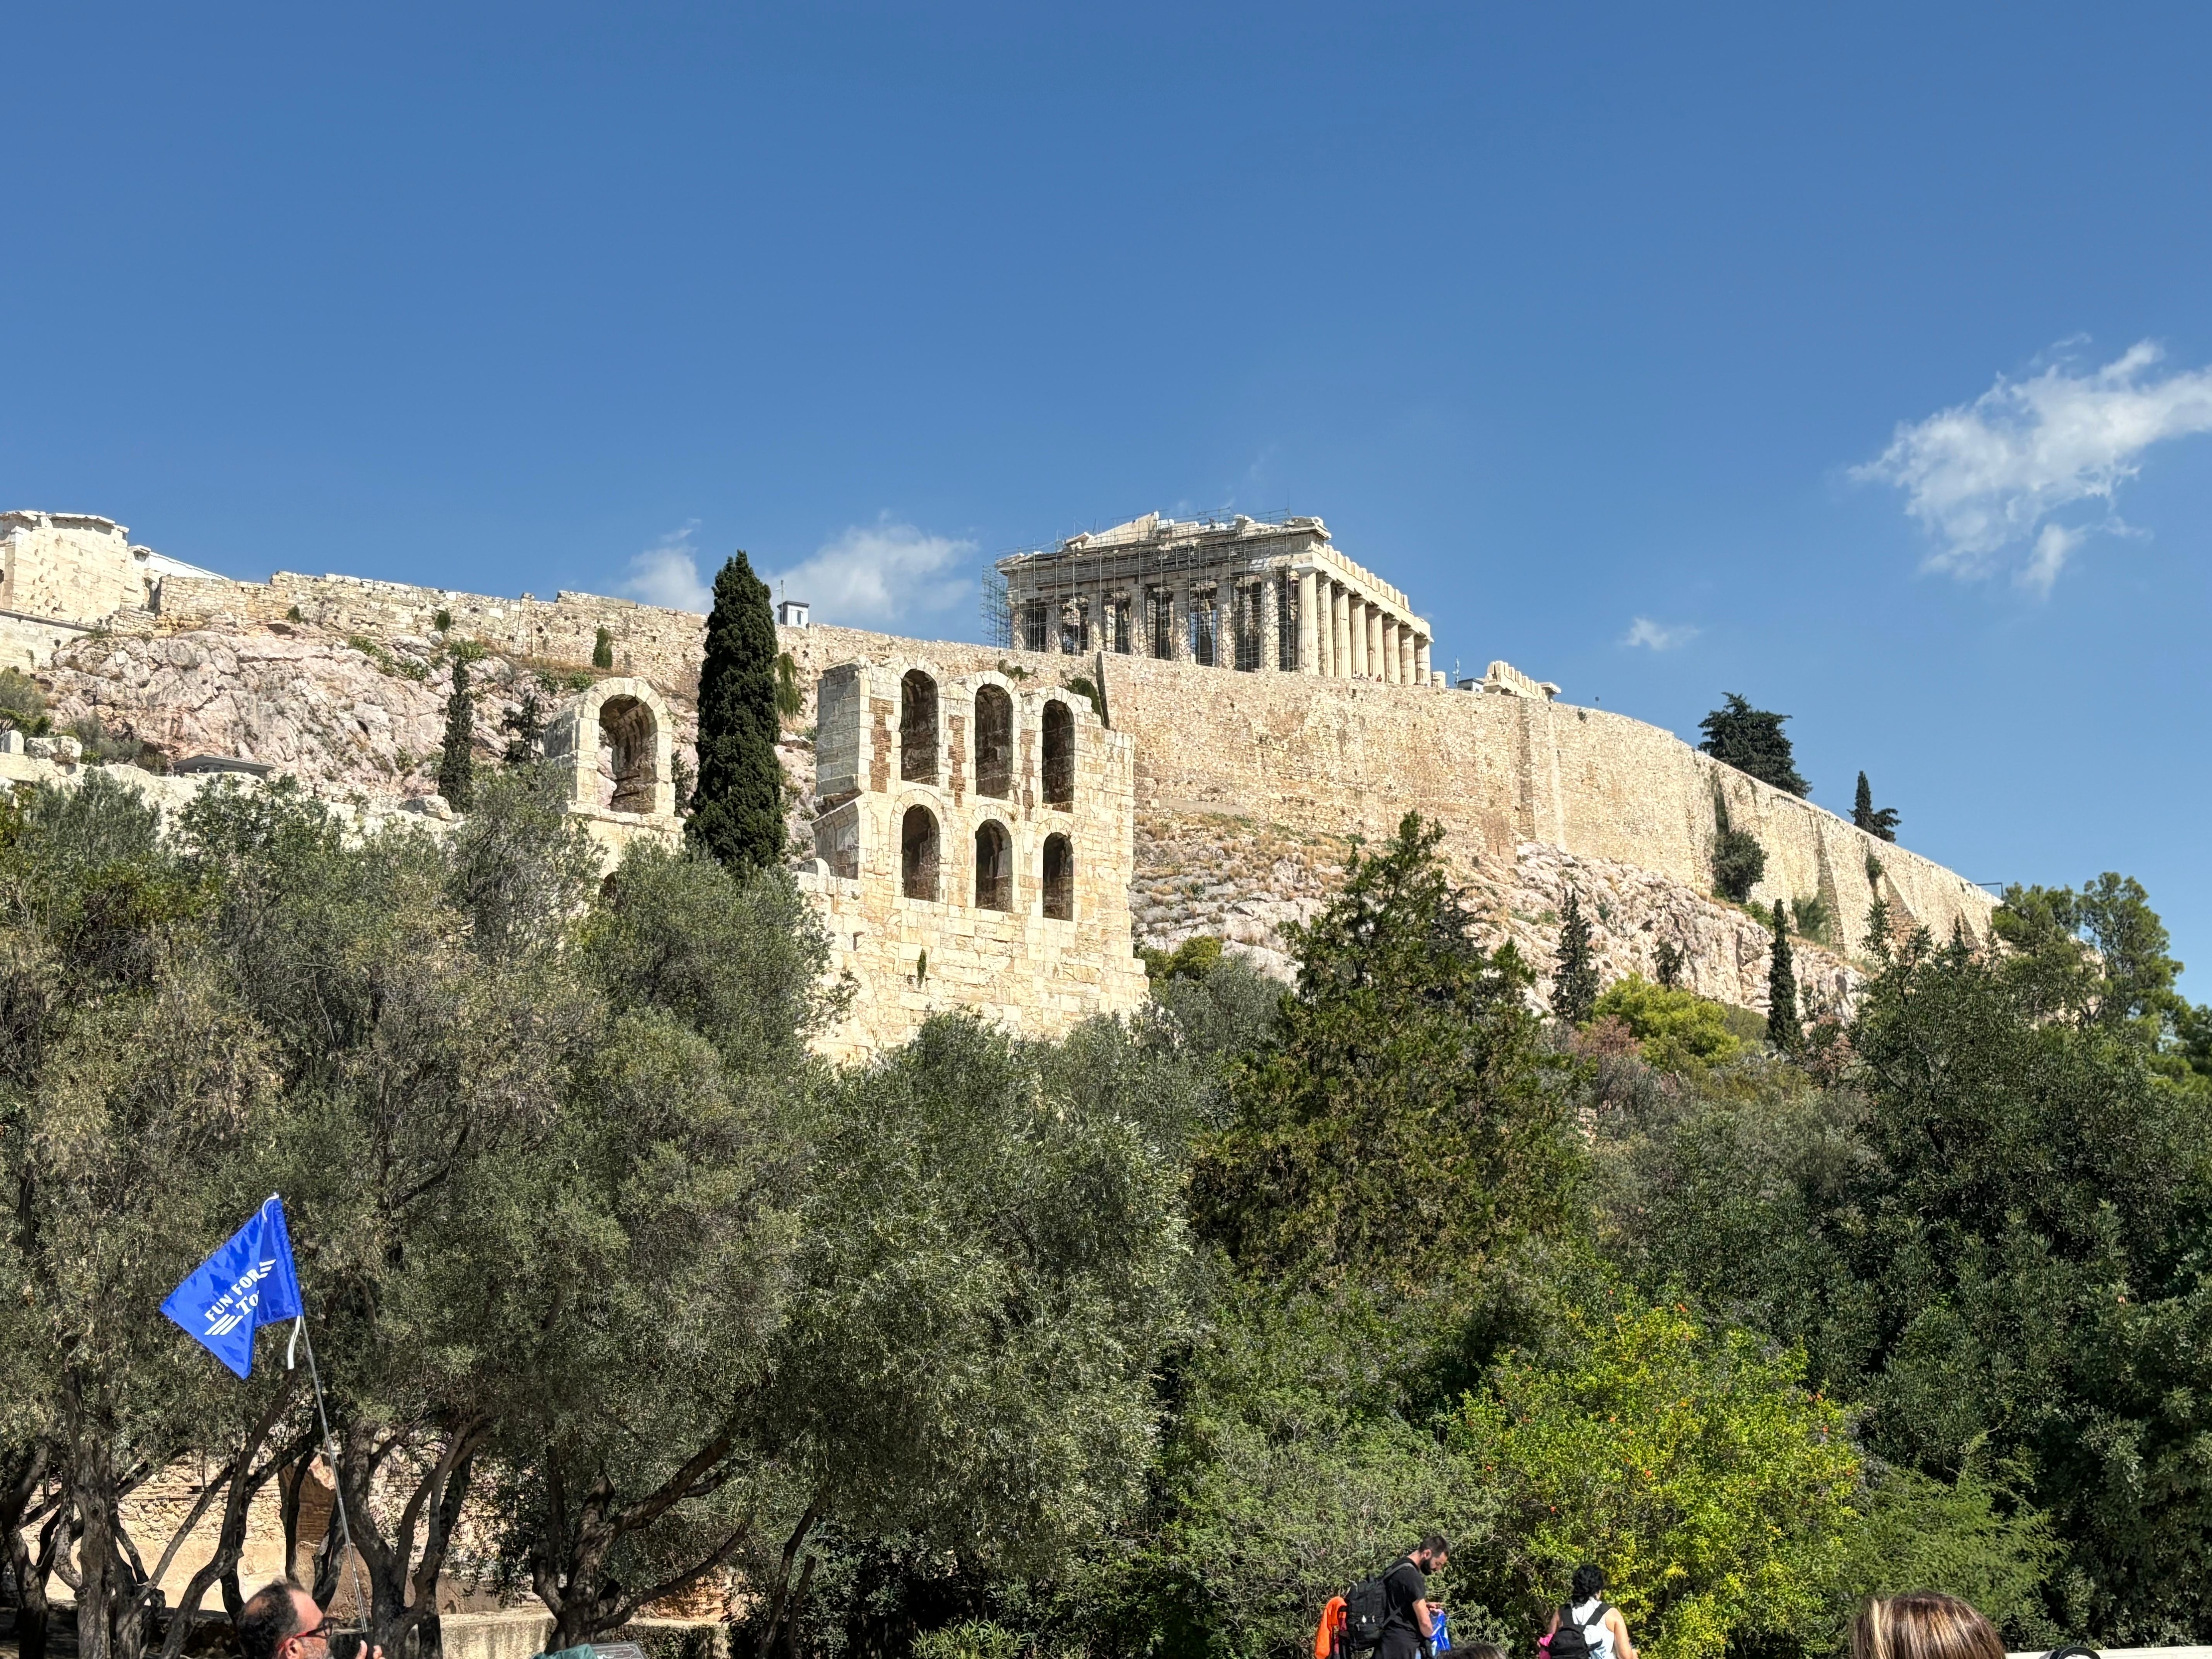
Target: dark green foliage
column 603, row 649
column 525, row 725
column 1194, row 959
column 22, row 704
column 790, row 700
column 1810, row 916
column 456, row 757
column 1088, row 688
column 738, row 803
column 1574, row 979
column 442, row 620
column 1879, row 926
column 1783, row 1030
column 1738, row 859
column 103, row 747
column 1667, row 967
column 1752, row 741
column 1396, row 1129
column 2098, row 954
column 1882, row 823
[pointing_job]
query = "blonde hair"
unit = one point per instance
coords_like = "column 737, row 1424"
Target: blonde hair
column 1923, row 1625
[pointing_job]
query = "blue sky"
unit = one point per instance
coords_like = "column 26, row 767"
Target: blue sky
column 1566, row 319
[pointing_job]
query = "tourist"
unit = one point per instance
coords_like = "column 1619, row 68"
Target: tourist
column 1586, row 1628
column 1410, row 1620
column 282, row 1621
column 1923, row 1625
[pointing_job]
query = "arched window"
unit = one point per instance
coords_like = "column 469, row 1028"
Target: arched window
column 918, row 728
column 1059, row 754
column 994, row 867
column 918, row 854
column 995, row 742
column 1058, row 878
column 627, row 749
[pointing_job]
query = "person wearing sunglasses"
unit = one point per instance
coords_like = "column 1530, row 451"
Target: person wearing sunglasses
column 282, row 1621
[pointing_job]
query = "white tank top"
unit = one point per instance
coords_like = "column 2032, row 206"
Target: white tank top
column 1595, row 1632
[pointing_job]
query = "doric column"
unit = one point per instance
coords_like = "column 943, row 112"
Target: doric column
column 1179, row 623
column 1421, row 676
column 1390, row 672
column 1309, row 635
column 1357, row 618
column 1270, row 609
column 1374, row 643
column 1339, row 632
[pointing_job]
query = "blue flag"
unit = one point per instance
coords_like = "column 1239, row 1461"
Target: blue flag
column 248, row 1283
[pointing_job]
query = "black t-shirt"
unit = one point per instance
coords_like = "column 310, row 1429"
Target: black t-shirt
column 1402, row 1586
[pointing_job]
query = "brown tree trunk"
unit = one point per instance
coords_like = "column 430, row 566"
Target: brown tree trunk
column 17, row 1497
column 92, row 1492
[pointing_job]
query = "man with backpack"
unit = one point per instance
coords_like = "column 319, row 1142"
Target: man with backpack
column 1408, row 1621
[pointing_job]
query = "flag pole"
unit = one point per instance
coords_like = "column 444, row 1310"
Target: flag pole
column 338, row 1486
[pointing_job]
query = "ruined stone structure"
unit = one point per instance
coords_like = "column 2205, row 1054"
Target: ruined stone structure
column 63, row 574
column 1206, row 802
column 1244, row 595
column 972, row 850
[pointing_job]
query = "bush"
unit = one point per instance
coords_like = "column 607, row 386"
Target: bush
column 1676, row 1028
column 22, row 705
column 1814, row 920
column 1715, row 1489
column 1738, row 859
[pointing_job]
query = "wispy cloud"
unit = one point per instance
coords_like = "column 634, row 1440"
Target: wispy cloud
column 1985, row 479
column 668, row 573
column 1659, row 636
column 884, row 574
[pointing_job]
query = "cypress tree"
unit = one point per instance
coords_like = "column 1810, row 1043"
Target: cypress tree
column 1669, row 964
column 1878, row 927
column 525, row 725
column 1782, row 1027
column 1574, row 981
column 1752, row 741
column 456, row 765
column 603, row 649
column 737, row 801
column 1882, row 823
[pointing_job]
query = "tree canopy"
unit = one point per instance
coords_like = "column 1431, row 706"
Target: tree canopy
column 1752, row 741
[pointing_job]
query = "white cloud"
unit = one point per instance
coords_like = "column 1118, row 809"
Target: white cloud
column 1660, row 636
column 883, row 574
column 668, row 573
column 1984, row 478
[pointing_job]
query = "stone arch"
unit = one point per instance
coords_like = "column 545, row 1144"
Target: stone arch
column 1059, row 877
column 995, row 742
column 628, row 756
column 1059, row 754
column 994, row 867
column 917, row 727
column 918, row 854
column 614, row 742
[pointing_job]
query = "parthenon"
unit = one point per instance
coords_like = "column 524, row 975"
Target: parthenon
column 1245, row 595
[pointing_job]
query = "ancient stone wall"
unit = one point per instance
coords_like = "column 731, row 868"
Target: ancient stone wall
column 969, row 859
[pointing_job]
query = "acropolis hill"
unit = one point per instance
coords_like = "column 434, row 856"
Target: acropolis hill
column 1266, row 700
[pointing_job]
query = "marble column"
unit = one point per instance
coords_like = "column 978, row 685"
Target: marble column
column 1421, row 674
column 1390, row 673
column 1406, row 657
column 1357, row 619
column 1308, row 636
column 1374, row 642
column 1340, row 631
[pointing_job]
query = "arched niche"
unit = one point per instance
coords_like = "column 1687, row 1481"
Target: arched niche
column 994, row 867
column 1059, row 754
column 918, row 854
column 917, row 727
column 1058, row 878
column 995, row 742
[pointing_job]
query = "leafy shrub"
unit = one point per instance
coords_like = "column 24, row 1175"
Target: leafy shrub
column 1814, row 920
column 22, row 705
column 1676, row 1028
column 1738, row 859
column 603, row 649
column 104, row 748
column 1194, row 959
column 442, row 620
column 790, row 701
column 1712, row 1485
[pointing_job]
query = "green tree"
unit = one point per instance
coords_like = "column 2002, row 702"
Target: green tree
column 1574, row 980
column 1881, row 823
column 1714, row 1486
column 1752, row 741
column 525, row 725
column 1738, row 859
column 603, row 649
column 2098, row 954
column 456, row 761
column 790, row 700
column 1677, row 1029
column 1394, row 1128
column 738, row 809
column 1783, row 1030
column 1666, row 968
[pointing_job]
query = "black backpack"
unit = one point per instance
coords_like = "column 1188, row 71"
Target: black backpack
column 1568, row 1642
column 1366, row 1606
